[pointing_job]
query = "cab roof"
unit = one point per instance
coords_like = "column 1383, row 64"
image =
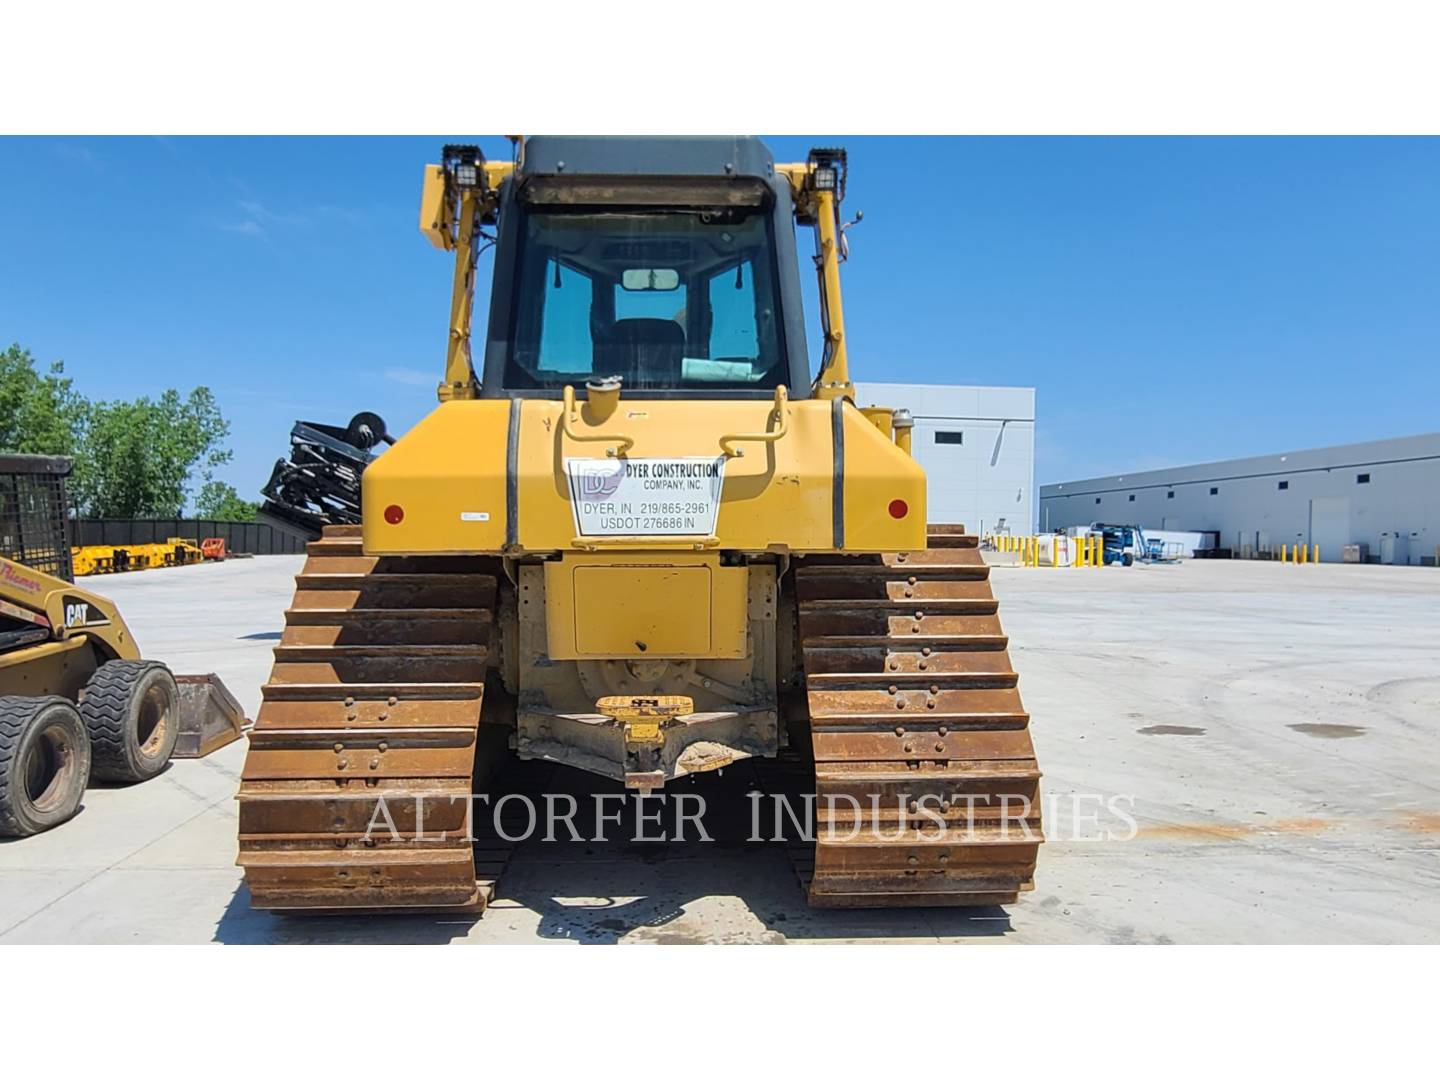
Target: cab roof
column 592, row 155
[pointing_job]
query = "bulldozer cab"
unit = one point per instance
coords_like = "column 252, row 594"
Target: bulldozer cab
column 668, row 264
column 652, row 286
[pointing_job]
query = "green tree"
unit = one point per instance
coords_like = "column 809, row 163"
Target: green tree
column 39, row 413
column 132, row 458
column 222, row 502
column 136, row 458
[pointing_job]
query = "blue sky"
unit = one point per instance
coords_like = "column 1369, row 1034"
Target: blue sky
column 1172, row 300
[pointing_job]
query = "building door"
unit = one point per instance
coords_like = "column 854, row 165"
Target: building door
column 1330, row 526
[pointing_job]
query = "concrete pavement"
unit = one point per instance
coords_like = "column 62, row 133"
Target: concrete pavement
column 1276, row 727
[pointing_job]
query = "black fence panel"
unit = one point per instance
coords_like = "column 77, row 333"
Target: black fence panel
column 245, row 537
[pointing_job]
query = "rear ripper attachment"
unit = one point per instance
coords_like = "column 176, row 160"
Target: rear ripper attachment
column 916, row 721
column 377, row 694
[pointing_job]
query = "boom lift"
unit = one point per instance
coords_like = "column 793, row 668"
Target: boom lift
column 641, row 540
column 320, row 483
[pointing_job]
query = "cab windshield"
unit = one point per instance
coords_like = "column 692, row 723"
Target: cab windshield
column 666, row 301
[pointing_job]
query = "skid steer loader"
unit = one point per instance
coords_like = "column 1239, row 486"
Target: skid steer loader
column 641, row 540
column 77, row 701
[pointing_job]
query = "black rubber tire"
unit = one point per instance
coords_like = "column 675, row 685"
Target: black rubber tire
column 44, row 763
column 1128, row 560
column 132, row 711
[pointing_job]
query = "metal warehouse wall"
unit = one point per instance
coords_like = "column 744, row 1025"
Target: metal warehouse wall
column 1385, row 494
column 977, row 445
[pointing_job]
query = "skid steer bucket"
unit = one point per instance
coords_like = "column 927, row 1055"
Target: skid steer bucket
column 210, row 717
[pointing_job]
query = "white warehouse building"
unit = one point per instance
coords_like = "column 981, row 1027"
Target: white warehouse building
column 1384, row 495
column 977, row 445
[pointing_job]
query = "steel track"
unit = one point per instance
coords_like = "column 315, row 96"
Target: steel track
column 377, row 692
column 914, row 712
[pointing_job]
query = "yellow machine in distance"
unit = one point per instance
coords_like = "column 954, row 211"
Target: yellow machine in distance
column 642, row 539
column 113, row 558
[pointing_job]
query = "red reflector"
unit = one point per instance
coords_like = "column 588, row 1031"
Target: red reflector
column 899, row 508
column 394, row 515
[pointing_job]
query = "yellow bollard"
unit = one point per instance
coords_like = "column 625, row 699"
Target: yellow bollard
column 1284, row 553
column 1316, row 557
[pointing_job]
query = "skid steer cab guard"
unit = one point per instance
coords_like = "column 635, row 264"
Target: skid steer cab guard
column 77, row 701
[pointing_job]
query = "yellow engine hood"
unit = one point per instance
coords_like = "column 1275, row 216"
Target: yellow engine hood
column 492, row 476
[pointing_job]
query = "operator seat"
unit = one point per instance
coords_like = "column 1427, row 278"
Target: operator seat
column 643, row 352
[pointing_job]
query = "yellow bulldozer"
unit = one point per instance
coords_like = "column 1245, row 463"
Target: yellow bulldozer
column 644, row 541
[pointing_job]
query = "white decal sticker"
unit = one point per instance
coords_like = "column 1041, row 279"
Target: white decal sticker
column 645, row 496
column 474, row 515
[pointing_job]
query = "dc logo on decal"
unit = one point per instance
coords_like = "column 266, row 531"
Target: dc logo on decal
column 602, row 480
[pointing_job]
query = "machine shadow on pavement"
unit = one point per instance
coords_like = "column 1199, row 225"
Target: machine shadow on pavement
column 729, row 889
column 598, row 892
column 241, row 924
